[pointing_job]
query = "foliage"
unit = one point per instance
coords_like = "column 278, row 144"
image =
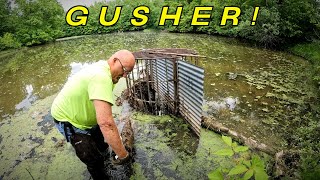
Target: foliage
column 233, row 147
column 38, row 21
column 310, row 167
column 245, row 168
column 298, row 18
column 9, row 41
column 267, row 29
column 278, row 22
column 94, row 27
column 31, row 22
column 311, row 52
column 5, row 25
column 308, row 139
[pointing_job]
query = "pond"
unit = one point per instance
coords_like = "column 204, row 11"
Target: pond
column 254, row 91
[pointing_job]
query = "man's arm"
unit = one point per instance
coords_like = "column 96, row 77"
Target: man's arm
column 109, row 128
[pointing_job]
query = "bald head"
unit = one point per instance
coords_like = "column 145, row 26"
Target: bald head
column 121, row 63
column 126, row 57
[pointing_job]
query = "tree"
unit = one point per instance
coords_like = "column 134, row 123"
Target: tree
column 38, row 21
column 299, row 18
column 5, row 25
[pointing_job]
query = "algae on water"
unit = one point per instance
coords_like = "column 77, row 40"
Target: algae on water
column 167, row 149
column 29, row 151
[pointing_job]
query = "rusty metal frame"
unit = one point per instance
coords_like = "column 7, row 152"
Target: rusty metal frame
column 173, row 81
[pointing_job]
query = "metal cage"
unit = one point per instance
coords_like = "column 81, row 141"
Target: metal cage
column 168, row 81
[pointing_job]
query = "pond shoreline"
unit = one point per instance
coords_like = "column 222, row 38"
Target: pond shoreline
column 289, row 47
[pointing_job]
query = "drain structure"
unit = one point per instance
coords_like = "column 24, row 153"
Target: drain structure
column 168, row 81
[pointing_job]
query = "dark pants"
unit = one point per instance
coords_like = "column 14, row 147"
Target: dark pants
column 89, row 146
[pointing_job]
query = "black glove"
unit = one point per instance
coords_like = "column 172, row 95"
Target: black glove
column 122, row 161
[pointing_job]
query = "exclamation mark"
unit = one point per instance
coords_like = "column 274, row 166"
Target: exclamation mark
column 255, row 15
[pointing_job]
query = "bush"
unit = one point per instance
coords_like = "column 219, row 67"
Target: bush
column 38, row 21
column 267, row 29
column 9, row 41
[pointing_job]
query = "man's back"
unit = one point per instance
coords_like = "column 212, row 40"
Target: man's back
column 74, row 102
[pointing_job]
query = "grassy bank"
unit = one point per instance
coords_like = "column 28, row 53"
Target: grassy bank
column 311, row 52
column 309, row 164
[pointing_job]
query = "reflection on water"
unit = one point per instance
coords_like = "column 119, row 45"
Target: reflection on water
column 225, row 103
column 26, row 103
column 30, row 98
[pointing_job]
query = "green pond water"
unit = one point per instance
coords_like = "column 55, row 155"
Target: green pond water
column 254, row 91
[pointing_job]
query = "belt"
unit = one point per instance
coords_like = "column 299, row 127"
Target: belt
column 66, row 125
column 63, row 122
column 56, row 121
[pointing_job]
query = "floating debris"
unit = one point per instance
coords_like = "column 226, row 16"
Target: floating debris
column 260, row 87
column 232, row 76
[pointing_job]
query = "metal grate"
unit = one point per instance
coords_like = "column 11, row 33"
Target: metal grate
column 168, row 81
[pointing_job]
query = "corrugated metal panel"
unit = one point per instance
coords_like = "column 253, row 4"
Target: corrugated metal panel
column 190, row 85
column 163, row 75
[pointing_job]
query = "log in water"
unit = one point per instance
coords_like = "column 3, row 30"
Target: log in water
column 253, row 144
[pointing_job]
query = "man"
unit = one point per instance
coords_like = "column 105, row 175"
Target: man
column 83, row 114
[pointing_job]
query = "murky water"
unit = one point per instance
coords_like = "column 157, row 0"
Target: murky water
column 165, row 148
column 254, row 91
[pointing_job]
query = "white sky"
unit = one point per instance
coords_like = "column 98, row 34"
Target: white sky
column 67, row 4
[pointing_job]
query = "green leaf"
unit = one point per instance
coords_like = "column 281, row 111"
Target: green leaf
column 224, row 170
column 215, row 175
column 247, row 163
column 256, row 161
column 227, row 140
column 239, row 169
column 234, row 144
column 241, row 148
column 260, row 174
column 225, row 152
column 248, row 174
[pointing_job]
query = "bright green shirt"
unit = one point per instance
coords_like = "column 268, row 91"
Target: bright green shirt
column 74, row 102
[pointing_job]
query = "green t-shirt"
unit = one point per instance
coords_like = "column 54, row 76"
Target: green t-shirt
column 74, row 102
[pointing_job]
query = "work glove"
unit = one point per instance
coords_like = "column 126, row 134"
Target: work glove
column 118, row 161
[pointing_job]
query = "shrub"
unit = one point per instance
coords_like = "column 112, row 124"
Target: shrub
column 9, row 41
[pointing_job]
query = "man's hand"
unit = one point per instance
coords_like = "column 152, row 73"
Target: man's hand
column 120, row 161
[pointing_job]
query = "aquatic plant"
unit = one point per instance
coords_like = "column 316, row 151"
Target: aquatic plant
column 245, row 167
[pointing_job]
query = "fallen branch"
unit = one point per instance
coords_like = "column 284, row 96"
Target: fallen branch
column 281, row 158
column 253, row 144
